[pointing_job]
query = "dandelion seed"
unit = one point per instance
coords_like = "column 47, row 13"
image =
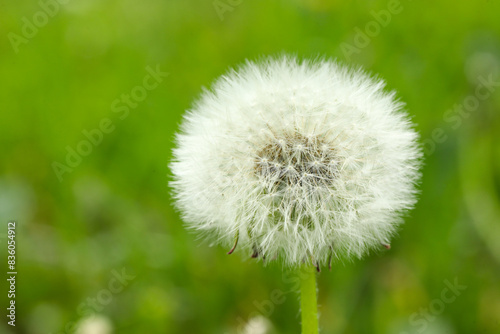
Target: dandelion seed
column 298, row 159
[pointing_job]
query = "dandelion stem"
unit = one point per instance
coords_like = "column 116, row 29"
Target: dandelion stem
column 308, row 301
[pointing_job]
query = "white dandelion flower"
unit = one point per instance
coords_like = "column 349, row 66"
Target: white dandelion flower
column 297, row 160
column 97, row 324
column 258, row 325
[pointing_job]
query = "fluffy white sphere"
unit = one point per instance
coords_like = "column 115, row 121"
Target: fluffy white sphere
column 299, row 160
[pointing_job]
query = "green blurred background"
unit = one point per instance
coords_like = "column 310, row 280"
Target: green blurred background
column 112, row 212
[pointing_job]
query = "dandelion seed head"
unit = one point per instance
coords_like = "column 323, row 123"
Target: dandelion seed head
column 298, row 159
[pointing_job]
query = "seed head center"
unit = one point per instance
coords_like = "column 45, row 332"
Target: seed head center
column 296, row 160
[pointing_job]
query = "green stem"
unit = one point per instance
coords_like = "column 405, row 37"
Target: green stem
column 308, row 301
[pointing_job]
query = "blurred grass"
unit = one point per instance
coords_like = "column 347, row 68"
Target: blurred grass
column 113, row 210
